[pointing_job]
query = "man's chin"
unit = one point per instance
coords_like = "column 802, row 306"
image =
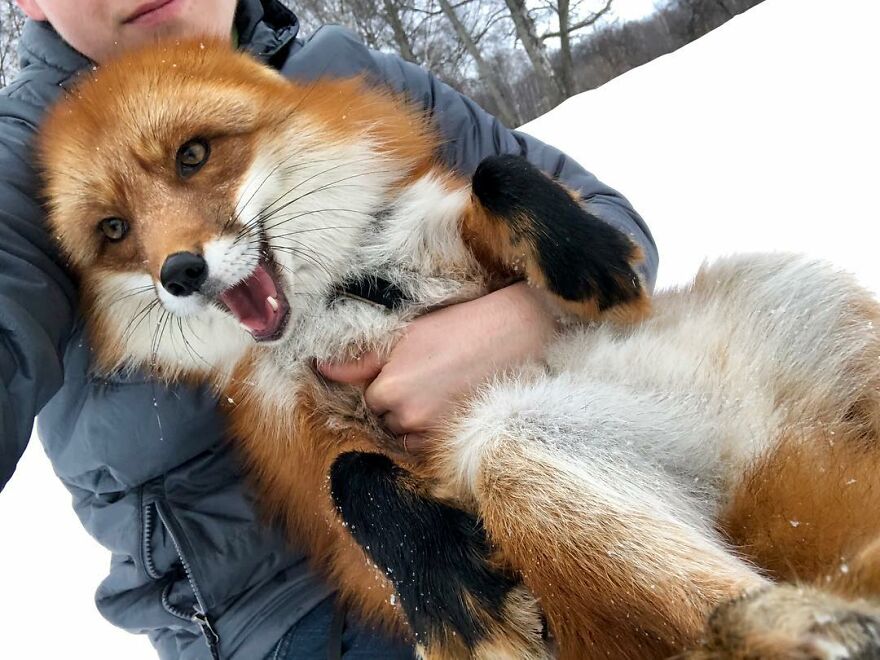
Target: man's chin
column 186, row 22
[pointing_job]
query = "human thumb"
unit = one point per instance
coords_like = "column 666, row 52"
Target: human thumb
column 363, row 369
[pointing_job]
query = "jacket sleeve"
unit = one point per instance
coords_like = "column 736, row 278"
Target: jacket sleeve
column 37, row 297
column 472, row 134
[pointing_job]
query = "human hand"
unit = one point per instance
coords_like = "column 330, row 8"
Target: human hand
column 444, row 355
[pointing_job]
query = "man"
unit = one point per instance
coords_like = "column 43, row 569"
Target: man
column 152, row 475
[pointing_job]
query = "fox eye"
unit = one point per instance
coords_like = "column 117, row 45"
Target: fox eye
column 191, row 156
column 114, row 229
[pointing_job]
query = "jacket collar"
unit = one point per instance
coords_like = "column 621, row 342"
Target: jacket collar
column 265, row 28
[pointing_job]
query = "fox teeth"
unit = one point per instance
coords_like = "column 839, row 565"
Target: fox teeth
column 273, row 303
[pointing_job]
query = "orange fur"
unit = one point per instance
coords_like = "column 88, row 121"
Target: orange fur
column 289, row 454
column 806, row 511
column 601, row 600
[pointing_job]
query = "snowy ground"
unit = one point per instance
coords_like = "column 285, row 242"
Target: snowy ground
column 761, row 136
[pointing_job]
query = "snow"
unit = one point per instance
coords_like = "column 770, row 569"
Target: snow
column 763, row 135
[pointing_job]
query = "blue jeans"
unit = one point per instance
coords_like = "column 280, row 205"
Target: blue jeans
column 316, row 637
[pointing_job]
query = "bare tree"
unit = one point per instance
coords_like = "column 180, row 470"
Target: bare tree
column 553, row 88
column 496, row 87
column 568, row 46
column 401, row 38
column 567, row 28
column 418, row 32
column 11, row 24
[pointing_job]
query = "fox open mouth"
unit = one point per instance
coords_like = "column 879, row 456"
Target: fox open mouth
column 259, row 303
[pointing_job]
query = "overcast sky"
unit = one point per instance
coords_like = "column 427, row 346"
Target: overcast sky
column 632, row 9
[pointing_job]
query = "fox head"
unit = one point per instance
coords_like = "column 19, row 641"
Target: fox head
column 198, row 194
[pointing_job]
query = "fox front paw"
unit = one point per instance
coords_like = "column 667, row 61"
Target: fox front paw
column 534, row 225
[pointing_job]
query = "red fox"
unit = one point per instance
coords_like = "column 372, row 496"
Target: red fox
column 697, row 475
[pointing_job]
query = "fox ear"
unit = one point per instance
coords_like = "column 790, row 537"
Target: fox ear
column 31, row 9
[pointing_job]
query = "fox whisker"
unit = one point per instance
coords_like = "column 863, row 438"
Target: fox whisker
column 131, row 293
column 257, row 232
column 190, row 349
column 137, row 319
column 339, row 183
column 290, row 190
column 158, row 333
column 239, row 207
column 311, row 258
column 288, row 170
column 314, row 229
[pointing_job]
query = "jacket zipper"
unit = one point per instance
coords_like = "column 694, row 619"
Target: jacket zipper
column 148, row 522
column 199, row 615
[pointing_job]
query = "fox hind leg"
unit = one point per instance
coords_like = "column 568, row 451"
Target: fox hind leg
column 807, row 513
column 621, row 562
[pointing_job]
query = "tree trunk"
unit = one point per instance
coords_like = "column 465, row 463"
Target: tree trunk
column 566, row 72
column 400, row 36
column 506, row 112
column 563, row 8
column 525, row 30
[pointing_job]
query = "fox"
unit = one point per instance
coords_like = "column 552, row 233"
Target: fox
column 692, row 474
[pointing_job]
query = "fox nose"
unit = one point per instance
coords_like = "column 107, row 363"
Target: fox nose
column 183, row 273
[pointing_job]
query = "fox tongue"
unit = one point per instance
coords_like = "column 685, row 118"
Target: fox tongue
column 248, row 301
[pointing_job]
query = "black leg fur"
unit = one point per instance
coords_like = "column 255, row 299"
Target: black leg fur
column 580, row 256
column 434, row 555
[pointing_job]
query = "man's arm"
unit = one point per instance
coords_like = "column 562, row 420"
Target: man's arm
column 37, row 296
column 471, row 135
column 446, row 353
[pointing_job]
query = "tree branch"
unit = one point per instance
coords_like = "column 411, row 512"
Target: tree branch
column 581, row 24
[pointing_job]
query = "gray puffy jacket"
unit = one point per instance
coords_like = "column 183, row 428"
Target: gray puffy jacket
column 152, row 476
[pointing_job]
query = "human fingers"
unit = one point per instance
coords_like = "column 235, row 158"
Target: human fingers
column 362, row 370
